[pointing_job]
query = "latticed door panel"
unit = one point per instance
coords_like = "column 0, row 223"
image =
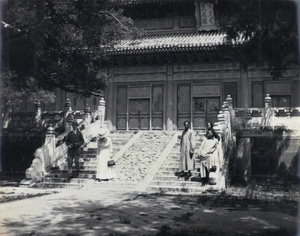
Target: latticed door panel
column 281, row 101
column 230, row 88
column 199, row 112
column 121, row 107
column 213, row 108
column 157, row 107
column 205, row 109
column 183, row 104
column 139, row 114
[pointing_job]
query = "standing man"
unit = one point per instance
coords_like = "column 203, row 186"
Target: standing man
column 187, row 146
column 74, row 141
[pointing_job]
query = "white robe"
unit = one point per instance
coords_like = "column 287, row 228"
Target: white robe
column 186, row 145
column 104, row 153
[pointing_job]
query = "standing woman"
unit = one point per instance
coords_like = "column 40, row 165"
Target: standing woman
column 104, row 154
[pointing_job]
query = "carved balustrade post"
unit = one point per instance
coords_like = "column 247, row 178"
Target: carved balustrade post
column 101, row 109
column 37, row 110
column 268, row 101
column 67, row 112
column 8, row 110
column 50, row 142
column 68, row 124
column 221, row 119
column 268, row 116
column 87, row 114
column 229, row 101
column 8, row 107
column 68, row 105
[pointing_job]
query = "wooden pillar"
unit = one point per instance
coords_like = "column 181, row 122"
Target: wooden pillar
column 244, row 96
column 170, row 100
column 111, row 102
column 101, row 109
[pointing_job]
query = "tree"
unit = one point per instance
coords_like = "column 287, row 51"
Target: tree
column 62, row 44
column 268, row 29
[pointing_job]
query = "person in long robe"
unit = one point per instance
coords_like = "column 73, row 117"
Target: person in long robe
column 209, row 155
column 104, row 154
column 187, row 147
column 210, row 126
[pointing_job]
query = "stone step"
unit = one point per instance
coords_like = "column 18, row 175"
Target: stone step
column 82, row 163
column 58, row 178
column 82, row 168
column 64, row 174
column 163, row 172
column 65, row 180
column 179, row 189
column 175, row 162
column 176, row 183
column 89, row 155
column 167, row 178
column 90, row 151
column 61, row 185
column 171, row 169
column 171, row 177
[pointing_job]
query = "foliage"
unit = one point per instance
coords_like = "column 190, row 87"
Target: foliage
column 269, row 28
column 12, row 90
column 60, row 44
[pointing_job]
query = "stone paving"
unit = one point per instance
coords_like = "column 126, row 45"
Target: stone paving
column 116, row 212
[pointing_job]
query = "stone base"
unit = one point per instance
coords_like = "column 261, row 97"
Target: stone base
column 28, row 183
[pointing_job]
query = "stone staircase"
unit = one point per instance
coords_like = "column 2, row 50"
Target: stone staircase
column 58, row 178
column 166, row 181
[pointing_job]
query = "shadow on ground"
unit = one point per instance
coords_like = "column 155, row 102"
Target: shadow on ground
column 157, row 215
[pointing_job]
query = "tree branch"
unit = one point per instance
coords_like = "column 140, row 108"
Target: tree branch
column 115, row 18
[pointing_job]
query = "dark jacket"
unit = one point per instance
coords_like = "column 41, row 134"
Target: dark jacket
column 75, row 141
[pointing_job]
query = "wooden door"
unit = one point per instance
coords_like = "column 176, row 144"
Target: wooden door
column 139, row 114
column 121, row 108
column 205, row 109
column 157, row 107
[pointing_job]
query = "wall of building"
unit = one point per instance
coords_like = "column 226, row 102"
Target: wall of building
column 201, row 80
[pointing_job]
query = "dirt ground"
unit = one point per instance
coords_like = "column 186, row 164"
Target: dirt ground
column 107, row 211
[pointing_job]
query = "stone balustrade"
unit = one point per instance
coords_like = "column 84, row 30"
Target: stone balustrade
column 257, row 118
column 54, row 149
column 248, row 123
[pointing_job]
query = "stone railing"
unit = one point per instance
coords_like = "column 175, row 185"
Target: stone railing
column 224, row 128
column 43, row 119
column 54, row 150
column 239, row 125
column 267, row 117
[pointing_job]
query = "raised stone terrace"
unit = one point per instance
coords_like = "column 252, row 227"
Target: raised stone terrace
column 146, row 161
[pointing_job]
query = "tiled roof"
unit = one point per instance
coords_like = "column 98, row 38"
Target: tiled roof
column 172, row 43
column 134, row 2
